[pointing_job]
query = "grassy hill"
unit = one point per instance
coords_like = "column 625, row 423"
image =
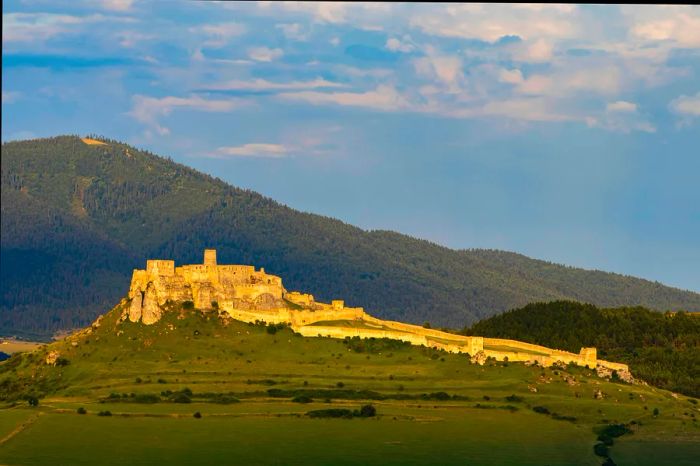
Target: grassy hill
column 77, row 218
column 253, row 387
column 662, row 349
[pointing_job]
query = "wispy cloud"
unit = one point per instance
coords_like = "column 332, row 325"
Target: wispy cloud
column 149, row 110
column 404, row 45
column 264, row 150
column 687, row 107
column 384, row 97
column 9, row 97
column 32, row 27
column 264, row 54
column 265, row 85
column 117, row 5
column 219, row 34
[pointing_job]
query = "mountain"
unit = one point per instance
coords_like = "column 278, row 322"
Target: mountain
column 662, row 349
column 78, row 215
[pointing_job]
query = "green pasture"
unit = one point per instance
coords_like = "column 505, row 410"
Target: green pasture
column 432, row 407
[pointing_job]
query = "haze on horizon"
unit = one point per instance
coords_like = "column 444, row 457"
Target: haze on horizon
column 568, row 133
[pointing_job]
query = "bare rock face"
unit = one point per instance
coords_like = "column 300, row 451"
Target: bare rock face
column 135, row 308
column 52, row 357
column 150, row 311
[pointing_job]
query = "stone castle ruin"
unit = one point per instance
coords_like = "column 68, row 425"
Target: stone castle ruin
column 250, row 295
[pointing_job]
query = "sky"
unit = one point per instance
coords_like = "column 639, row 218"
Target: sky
column 569, row 133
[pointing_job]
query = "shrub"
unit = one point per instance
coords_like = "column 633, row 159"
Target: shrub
column 333, row 412
column 514, row 398
column 368, row 411
column 197, row 415
column 82, row 410
column 162, row 381
column 32, row 400
column 225, row 400
column 340, row 385
column 302, row 399
column 62, row 361
column 215, row 305
column 146, row 398
column 541, row 410
column 189, row 305
column 600, row 449
column 656, row 412
column 180, row 398
column 104, row 413
column 271, row 329
column 614, row 431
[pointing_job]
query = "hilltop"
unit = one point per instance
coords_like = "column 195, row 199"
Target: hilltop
column 78, row 216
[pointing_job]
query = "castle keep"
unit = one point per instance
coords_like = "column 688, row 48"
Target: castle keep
column 250, row 295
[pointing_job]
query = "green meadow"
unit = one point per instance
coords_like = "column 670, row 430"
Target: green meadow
column 252, row 386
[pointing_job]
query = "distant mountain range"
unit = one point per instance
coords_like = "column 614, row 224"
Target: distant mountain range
column 77, row 218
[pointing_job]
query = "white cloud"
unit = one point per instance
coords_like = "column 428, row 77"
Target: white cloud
column 117, row 5
column 335, row 41
column 677, row 25
column 9, row 97
column 623, row 117
column 384, row 97
column 132, row 38
column 218, row 35
column 490, row 22
column 443, row 68
column 293, row 31
column 252, row 150
column 688, row 105
column 510, row 76
column 538, row 51
column 396, row 45
column 32, row 27
column 149, row 110
column 621, row 106
column 264, row 54
column 334, row 12
column 264, row 85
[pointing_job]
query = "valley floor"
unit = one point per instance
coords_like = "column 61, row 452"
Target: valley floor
column 268, row 432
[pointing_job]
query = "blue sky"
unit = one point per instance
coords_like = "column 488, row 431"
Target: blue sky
column 563, row 132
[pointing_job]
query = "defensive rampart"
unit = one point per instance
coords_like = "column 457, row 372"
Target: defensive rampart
column 251, row 295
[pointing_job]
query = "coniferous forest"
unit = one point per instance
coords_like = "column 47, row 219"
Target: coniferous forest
column 78, row 218
column 662, row 349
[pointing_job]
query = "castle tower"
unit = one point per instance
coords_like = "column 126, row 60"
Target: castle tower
column 210, row 257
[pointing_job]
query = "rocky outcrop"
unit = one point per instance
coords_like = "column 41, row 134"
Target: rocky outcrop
column 135, row 307
column 150, row 311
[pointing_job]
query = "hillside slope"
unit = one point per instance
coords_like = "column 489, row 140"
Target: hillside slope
column 77, row 218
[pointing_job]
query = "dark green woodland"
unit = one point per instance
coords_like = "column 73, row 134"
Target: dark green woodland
column 77, row 218
column 662, row 349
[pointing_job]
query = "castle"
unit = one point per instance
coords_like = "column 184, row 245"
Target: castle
column 250, row 295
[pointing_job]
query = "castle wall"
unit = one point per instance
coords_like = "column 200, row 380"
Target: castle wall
column 249, row 295
column 157, row 267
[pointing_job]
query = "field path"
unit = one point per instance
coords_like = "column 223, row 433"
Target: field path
column 28, row 422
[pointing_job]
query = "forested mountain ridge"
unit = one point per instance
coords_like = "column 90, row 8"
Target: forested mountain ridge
column 77, row 218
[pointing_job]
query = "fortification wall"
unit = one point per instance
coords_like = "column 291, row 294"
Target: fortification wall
column 342, row 332
column 249, row 295
column 157, row 267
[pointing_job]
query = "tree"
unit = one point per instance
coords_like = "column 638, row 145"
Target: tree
column 368, row 411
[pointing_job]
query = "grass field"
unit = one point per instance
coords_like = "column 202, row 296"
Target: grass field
column 432, row 407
